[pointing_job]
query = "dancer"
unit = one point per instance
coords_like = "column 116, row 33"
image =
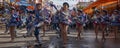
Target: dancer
column 64, row 21
column 47, row 15
column 38, row 22
column 96, row 22
column 29, row 24
column 13, row 23
column 115, row 21
column 104, row 22
column 80, row 21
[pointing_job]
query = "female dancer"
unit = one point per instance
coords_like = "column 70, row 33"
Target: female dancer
column 96, row 22
column 64, row 21
column 115, row 21
column 104, row 22
column 79, row 23
column 46, row 13
column 29, row 24
column 13, row 23
column 38, row 20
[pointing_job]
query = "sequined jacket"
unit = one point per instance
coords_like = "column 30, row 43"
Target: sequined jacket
column 105, row 19
column 65, row 18
column 80, row 19
column 96, row 19
column 13, row 20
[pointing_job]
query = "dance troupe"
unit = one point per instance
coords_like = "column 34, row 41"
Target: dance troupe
column 40, row 17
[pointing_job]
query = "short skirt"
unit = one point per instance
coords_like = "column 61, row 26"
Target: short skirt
column 79, row 24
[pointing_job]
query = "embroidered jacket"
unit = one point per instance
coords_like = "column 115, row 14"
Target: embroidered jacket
column 13, row 20
column 65, row 17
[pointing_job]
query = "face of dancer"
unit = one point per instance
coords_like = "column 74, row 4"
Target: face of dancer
column 115, row 13
column 80, row 13
column 104, row 13
column 65, row 7
column 13, row 11
column 98, row 14
column 39, row 7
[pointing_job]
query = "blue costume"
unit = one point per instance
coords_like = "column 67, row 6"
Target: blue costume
column 96, row 20
column 105, row 19
column 6, row 22
column 20, row 22
column 81, row 19
column 46, row 15
column 29, row 25
column 55, row 22
column 38, row 19
column 38, row 13
column 115, row 21
column 28, row 20
column 65, row 17
column 13, row 20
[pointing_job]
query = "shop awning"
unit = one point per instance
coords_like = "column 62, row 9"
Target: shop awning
column 98, row 4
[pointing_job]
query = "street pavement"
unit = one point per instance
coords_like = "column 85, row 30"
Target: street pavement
column 50, row 40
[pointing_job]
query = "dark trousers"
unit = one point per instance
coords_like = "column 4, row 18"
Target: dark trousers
column 36, row 33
